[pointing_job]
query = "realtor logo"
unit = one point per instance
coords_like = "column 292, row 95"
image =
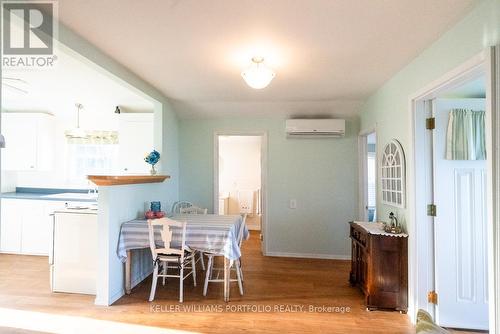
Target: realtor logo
column 28, row 29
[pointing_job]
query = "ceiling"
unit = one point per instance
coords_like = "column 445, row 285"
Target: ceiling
column 57, row 90
column 329, row 55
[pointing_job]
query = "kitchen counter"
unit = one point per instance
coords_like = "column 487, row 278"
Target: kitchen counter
column 27, row 215
column 46, row 194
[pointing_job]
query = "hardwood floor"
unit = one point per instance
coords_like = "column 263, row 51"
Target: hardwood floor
column 269, row 282
column 253, row 222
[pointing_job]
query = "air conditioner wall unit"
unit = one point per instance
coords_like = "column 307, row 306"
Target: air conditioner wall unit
column 307, row 128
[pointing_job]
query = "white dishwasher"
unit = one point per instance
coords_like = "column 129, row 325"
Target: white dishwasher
column 74, row 253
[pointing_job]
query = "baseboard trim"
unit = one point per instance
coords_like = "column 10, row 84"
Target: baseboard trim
column 310, row 255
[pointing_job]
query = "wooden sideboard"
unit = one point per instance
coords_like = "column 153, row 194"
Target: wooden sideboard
column 379, row 267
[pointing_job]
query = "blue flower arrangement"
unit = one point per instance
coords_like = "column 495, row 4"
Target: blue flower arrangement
column 152, row 159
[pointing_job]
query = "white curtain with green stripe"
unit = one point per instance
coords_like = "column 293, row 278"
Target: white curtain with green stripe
column 466, row 138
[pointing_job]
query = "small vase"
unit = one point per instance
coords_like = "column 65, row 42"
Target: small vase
column 153, row 170
column 156, row 206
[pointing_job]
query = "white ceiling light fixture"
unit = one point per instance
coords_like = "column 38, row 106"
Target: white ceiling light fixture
column 258, row 75
column 77, row 133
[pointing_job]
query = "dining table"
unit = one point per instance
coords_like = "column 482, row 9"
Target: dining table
column 206, row 233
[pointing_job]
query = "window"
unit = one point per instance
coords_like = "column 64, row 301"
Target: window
column 393, row 174
column 372, row 170
column 371, row 165
column 88, row 159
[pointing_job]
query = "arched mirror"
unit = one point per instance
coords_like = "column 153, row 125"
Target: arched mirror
column 392, row 170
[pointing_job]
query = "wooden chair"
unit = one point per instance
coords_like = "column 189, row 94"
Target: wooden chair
column 176, row 208
column 236, row 265
column 193, row 210
column 181, row 257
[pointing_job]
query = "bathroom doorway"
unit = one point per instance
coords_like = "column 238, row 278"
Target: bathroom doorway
column 459, row 189
column 239, row 178
column 452, row 209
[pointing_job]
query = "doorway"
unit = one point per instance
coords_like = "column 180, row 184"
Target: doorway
column 239, row 178
column 459, row 184
column 449, row 268
column 368, row 171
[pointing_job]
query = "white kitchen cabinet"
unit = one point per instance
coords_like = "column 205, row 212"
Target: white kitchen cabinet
column 26, row 225
column 20, row 138
column 29, row 141
column 11, row 227
column 35, row 228
column 136, row 137
column 37, row 225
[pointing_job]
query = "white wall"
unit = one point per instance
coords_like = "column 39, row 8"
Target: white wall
column 239, row 167
column 9, row 181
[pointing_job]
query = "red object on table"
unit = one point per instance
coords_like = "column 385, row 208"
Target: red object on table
column 159, row 214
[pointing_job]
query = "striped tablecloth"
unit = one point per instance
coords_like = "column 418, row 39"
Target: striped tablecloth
column 208, row 233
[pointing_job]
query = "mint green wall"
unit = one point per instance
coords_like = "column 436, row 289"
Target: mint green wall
column 118, row 204
column 321, row 174
column 388, row 107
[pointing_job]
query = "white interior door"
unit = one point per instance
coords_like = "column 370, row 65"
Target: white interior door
column 460, row 229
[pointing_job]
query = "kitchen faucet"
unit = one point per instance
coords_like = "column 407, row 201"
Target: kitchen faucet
column 92, row 189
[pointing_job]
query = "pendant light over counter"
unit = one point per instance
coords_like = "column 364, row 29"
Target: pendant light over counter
column 77, row 133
